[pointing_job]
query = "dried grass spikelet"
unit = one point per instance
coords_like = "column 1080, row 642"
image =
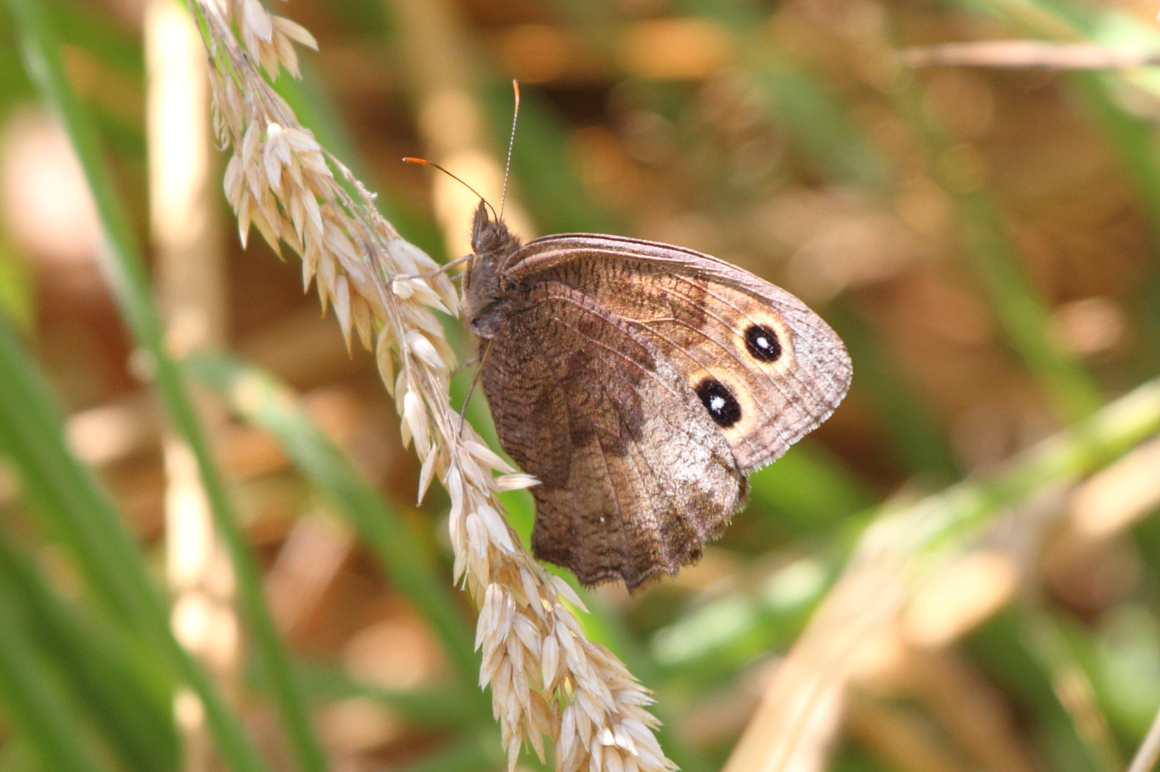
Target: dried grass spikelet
column 546, row 677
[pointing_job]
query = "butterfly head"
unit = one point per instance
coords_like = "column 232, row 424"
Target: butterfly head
column 491, row 246
column 490, row 238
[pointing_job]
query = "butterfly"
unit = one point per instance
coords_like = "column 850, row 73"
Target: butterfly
column 640, row 383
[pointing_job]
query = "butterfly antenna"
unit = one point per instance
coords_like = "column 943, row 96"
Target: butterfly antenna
column 425, row 162
column 511, row 143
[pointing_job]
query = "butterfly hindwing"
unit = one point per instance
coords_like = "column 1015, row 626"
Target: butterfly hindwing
column 635, row 475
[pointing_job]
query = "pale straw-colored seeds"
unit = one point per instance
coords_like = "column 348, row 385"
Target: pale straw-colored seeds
column 546, row 677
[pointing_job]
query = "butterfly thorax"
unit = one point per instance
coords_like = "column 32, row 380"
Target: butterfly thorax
column 492, row 244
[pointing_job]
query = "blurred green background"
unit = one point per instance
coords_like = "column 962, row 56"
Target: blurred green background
column 983, row 238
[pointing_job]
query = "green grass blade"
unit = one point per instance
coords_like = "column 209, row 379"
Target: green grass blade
column 78, row 511
column 1022, row 310
column 34, row 702
column 72, row 506
column 104, row 675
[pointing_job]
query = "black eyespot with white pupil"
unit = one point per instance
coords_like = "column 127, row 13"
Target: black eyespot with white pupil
column 762, row 343
column 719, row 401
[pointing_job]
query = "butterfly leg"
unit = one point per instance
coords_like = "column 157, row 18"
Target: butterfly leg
column 404, row 277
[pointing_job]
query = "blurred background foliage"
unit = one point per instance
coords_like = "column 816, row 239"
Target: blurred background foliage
column 984, row 239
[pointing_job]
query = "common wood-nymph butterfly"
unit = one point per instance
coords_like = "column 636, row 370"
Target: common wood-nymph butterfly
column 641, row 383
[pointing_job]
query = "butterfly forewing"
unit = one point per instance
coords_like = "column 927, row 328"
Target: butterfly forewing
column 765, row 368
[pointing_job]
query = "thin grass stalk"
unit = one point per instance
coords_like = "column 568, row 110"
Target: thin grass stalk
column 1022, row 310
column 192, row 281
column 1130, row 136
column 547, row 678
column 126, row 275
column 1149, row 750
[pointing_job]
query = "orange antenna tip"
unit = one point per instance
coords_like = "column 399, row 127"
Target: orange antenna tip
column 425, row 162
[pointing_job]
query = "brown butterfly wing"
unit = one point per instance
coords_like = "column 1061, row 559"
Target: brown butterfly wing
column 634, row 475
column 784, row 366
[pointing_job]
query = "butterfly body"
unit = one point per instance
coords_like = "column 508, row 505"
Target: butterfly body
column 640, row 383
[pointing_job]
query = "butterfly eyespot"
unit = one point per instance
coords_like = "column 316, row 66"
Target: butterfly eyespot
column 723, row 407
column 762, row 343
